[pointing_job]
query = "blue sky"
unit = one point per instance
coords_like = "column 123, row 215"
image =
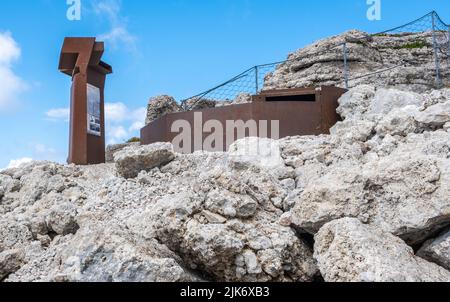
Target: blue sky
column 175, row 47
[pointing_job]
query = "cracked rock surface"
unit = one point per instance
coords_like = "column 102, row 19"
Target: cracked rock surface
column 346, row 250
column 371, row 194
column 380, row 182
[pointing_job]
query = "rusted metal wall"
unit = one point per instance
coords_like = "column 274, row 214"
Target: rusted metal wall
column 296, row 117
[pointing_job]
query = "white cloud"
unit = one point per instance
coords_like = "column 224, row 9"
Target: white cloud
column 119, row 112
column 136, row 126
column 110, row 8
column 116, row 112
column 121, row 122
column 58, row 114
column 16, row 163
column 37, row 152
column 117, row 115
column 9, row 50
column 11, row 85
column 119, row 34
column 117, row 134
column 43, row 150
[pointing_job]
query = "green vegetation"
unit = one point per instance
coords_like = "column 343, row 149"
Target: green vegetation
column 391, row 35
column 413, row 45
column 134, row 140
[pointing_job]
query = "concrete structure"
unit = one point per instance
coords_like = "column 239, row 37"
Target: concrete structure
column 81, row 60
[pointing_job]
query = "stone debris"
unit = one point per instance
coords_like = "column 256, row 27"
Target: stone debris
column 159, row 106
column 134, row 159
column 346, row 250
column 371, row 193
column 437, row 250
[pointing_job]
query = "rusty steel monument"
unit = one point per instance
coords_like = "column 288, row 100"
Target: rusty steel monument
column 81, row 60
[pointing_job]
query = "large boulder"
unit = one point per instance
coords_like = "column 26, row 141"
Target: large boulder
column 13, row 234
column 111, row 150
column 346, row 250
column 380, row 165
column 261, row 153
column 405, row 194
column 134, row 159
column 436, row 115
column 159, row 106
column 226, row 225
column 99, row 253
column 10, row 262
column 385, row 100
column 437, row 250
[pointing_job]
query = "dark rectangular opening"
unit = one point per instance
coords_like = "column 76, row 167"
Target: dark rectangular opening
column 292, row 98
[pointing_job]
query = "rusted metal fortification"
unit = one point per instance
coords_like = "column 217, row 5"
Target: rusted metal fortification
column 306, row 111
column 81, row 60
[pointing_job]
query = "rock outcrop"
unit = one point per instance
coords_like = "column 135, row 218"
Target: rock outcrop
column 134, row 159
column 159, row 106
column 348, row 251
column 382, row 164
column 111, row 150
column 322, row 63
column 402, row 61
column 370, row 194
column 199, row 104
column 376, row 188
column 437, row 250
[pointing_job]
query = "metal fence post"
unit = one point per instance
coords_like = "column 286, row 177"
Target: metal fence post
column 436, row 53
column 256, row 79
column 345, row 65
column 448, row 47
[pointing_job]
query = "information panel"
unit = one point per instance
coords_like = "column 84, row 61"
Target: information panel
column 93, row 111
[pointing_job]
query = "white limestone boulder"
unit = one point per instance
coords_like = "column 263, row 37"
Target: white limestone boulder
column 346, row 250
column 134, row 159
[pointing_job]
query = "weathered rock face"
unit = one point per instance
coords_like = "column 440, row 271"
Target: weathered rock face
column 348, row 251
column 111, row 150
column 260, row 153
column 199, row 104
column 104, row 254
column 226, row 226
column 242, row 98
column 159, row 106
column 10, row 262
column 248, row 214
column 382, row 165
column 438, row 250
column 322, row 63
column 134, row 159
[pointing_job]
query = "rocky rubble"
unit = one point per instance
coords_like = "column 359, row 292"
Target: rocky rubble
column 369, row 255
column 374, row 195
column 396, row 174
column 437, row 250
column 111, row 150
column 134, row 159
column 159, row 106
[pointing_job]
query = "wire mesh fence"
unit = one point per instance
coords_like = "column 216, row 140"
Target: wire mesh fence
column 428, row 32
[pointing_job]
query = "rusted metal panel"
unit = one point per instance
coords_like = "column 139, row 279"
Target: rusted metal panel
column 81, row 60
column 297, row 116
